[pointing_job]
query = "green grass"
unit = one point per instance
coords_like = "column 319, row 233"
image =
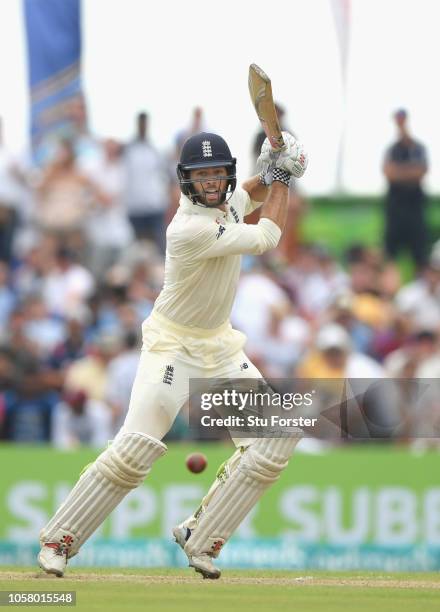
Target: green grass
column 340, row 222
column 181, row 590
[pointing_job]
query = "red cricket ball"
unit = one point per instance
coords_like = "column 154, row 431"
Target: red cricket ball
column 196, row 462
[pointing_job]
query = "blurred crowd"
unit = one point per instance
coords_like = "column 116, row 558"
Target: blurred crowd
column 82, row 240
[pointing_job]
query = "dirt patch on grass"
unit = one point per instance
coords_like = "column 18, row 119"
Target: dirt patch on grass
column 302, row 581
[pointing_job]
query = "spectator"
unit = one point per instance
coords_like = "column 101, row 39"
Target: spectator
column 147, row 186
column 73, row 345
column 8, row 369
column 73, row 127
column 333, row 357
column 8, row 298
column 409, row 360
column 121, row 374
column 71, row 349
column 36, row 261
column 70, row 339
column 391, row 337
column 333, row 362
column 313, row 280
column 196, row 125
column 420, row 299
column 90, row 374
column 142, row 290
column 42, row 329
column 430, row 368
column 341, row 311
column 87, row 148
column 29, row 407
column 371, row 307
column 108, row 229
column 419, row 404
column 64, row 197
column 404, row 168
column 67, row 285
column 16, row 339
column 257, row 295
column 10, row 199
column 80, row 421
column 111, row 306
column 7, row 380
column 287, row 338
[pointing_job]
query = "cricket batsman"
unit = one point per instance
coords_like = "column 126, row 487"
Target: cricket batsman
column 188, row 335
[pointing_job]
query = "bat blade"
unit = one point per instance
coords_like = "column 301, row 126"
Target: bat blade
column 260, row 89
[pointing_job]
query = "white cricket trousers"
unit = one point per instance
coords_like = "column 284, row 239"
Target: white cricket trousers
column 173, row 354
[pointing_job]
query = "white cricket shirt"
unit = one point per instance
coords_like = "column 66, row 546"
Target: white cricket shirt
column 202, row 266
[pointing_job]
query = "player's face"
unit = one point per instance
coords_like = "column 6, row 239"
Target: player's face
column 210, row 184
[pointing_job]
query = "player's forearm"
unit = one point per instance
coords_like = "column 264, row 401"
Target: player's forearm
column 275, row 205
column 256, row 190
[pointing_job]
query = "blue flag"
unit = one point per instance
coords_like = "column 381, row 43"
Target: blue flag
column 54, row 58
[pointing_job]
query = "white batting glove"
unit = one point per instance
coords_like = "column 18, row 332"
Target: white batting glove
column 292, row 158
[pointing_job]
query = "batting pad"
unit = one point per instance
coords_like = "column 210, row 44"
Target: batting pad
column 261, row 465
column 120, row 468
column 223, row 473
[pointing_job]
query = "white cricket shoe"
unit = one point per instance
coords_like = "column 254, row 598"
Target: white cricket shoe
column 181, row 535
column 202, row 563
column 52, row 558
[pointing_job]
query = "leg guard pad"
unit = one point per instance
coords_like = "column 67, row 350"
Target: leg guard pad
column 120, row 468
column 261, row 464
column 128, row 460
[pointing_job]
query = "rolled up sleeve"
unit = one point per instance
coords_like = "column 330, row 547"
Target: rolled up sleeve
column 251, row 205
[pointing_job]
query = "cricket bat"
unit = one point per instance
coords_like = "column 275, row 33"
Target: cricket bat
column 260, row 89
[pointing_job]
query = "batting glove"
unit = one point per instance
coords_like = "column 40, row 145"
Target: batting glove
column 292, row 158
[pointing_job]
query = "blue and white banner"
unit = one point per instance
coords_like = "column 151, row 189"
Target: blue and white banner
column 53, row 33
